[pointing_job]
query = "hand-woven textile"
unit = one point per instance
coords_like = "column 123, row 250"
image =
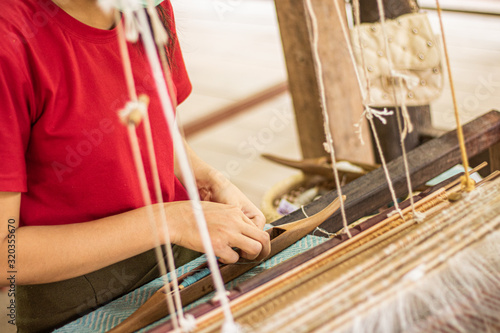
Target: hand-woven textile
column 110, row 315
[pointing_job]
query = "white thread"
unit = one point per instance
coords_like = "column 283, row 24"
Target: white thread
column 419, row 217
column 174, row 308
column 363, row 95
column 231, row 327
column 318, row 304
column 160, row 34
column 329, row 141
column 406, row 116
column 186, row 170
column 217, row 297
column 106, row 5
column 141, row 175
column 396, row 211
column 133, row 106
column 143, row 109
column 369, row 113
column 303, row 211
column 329, row 234
column 131, row 26
column 188, row 323
column 411, row 82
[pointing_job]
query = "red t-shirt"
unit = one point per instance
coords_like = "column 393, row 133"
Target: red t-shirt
column 62, row 143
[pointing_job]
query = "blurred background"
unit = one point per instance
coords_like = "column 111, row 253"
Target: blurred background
column 240, row 106
column 233, row 52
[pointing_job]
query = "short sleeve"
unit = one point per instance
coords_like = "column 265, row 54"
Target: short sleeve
column 15, row 121
column 179, row 71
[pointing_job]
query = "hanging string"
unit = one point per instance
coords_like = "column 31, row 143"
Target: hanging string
column 161, row 38
column 467, row 182
column 154, row 62
column 141, row 106
column 369, row 112
column 130, row 22
column 408, row 126
column 329, row 142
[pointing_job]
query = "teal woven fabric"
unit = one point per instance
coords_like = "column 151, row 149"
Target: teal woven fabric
column 110, row 315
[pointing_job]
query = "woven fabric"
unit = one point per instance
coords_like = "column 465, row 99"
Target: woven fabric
column 110, row 315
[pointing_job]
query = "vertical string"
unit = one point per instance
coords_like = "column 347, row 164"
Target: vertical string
column 163, row 219
column 329, row 142
column 369, row 112
column 161, row 86
column 158, row 30
column 467, row 182
column 417, row 216
column 141, row 174
column 127, row 67
column 125, row 57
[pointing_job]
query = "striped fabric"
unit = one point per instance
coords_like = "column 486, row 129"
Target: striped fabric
column 110, row 315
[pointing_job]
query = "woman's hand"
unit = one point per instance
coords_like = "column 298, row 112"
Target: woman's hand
column 216, row 188
column 227, row 225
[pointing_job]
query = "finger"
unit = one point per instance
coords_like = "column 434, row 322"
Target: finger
column 259, row 221
column 260, row 236
column 250, row 248
column 247, row 219
column 256, row 216
column 227, row 255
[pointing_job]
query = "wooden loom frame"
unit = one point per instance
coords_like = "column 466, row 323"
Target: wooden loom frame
column 370, row 192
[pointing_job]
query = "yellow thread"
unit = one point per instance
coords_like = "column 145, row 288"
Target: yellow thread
column 467, row 183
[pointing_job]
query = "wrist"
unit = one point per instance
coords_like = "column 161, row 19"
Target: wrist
column 168, row 216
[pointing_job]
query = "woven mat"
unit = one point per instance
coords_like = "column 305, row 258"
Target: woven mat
column 110, row 315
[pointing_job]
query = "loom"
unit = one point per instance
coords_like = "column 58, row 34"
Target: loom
column 395, row 273
column 383, row 255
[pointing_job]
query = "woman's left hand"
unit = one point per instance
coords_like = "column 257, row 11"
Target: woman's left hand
column 217, row 188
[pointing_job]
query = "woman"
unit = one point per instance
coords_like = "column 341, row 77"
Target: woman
column 67, row 180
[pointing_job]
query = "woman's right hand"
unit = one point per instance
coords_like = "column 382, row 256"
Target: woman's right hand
column 227, row 225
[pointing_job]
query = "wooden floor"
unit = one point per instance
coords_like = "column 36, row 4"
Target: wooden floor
column 232, row 50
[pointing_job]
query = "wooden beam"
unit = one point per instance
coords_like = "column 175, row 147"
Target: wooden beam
column 495, row 157
column 342, row 93
column 370, row 192
column 228, row 112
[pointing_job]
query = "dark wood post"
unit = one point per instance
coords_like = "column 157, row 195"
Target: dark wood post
column 495, row 157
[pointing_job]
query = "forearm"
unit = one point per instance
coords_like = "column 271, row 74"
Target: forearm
column 53, row 253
